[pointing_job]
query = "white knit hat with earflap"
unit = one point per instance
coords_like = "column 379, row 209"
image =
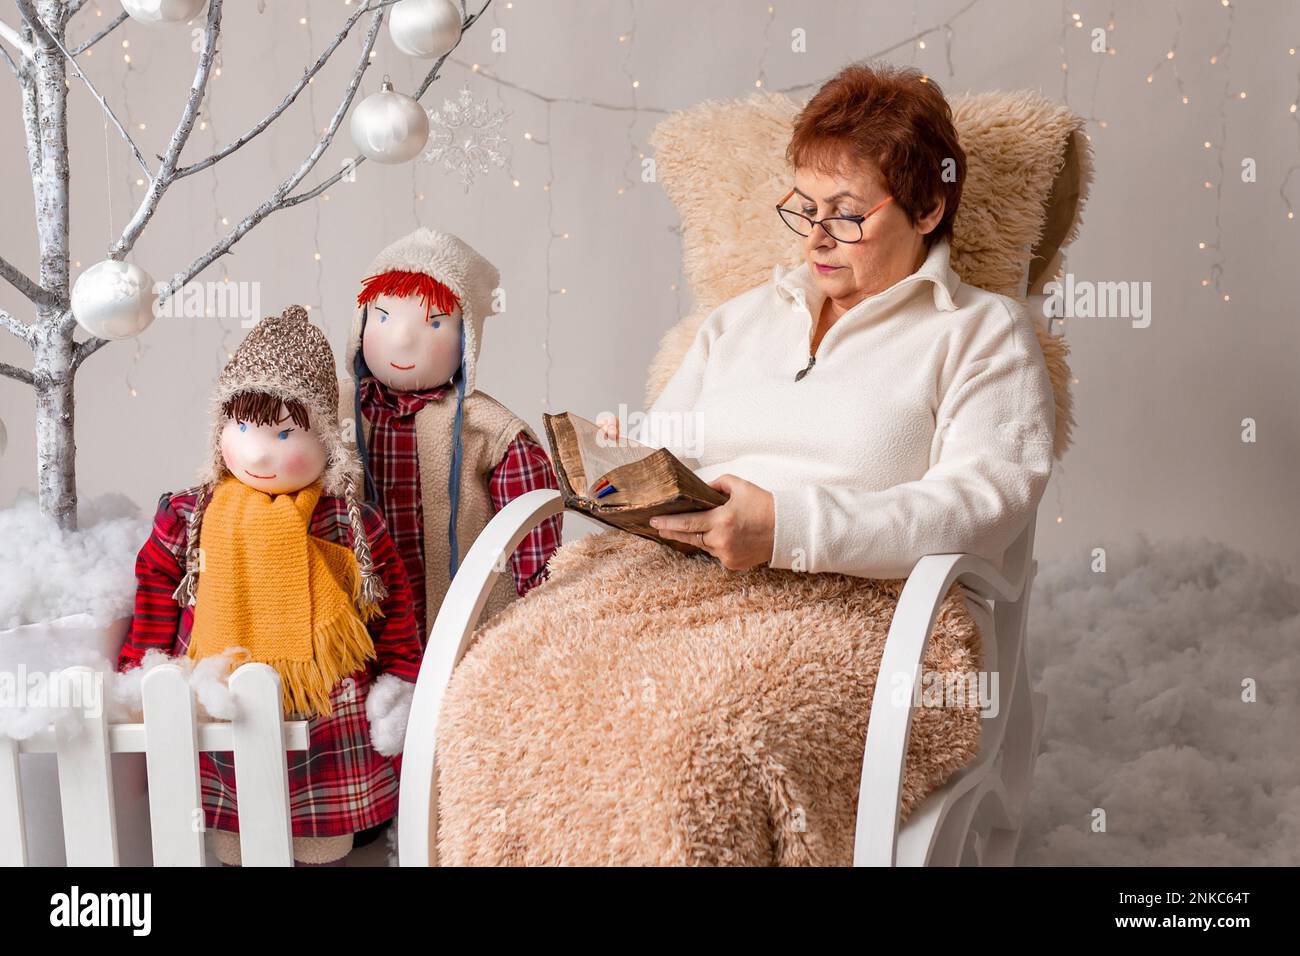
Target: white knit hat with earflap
column 451, row 261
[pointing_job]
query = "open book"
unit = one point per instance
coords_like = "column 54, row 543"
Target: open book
column 645, row 481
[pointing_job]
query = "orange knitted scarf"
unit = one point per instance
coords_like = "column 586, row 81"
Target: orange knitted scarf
column 289, row 597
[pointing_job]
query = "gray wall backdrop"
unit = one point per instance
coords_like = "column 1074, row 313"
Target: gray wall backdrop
column 1158, row 445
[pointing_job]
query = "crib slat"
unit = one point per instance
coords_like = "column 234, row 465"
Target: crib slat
column 261, row 770
column 13, row 828
column 85, row 778
column 171, row 754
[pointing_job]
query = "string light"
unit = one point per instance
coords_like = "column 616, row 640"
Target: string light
column 1295, row 167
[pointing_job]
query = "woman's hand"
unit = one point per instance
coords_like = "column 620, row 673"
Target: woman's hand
column 608, row 425
column 739, row 533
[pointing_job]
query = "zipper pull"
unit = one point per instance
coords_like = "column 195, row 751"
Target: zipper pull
column 812, row 360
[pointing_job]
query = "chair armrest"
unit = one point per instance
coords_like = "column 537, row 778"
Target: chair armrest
column 881, row 784
column 448, row 640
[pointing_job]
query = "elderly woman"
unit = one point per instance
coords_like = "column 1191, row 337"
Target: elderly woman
column 866, row 408
column 862, row 410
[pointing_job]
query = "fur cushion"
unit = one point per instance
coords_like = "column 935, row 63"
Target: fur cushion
column 722, row 163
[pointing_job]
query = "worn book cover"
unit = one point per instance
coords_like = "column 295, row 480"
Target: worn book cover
column 647, row 481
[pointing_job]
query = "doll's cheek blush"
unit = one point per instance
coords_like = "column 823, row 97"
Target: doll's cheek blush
column 297, row 463
column 226, row 455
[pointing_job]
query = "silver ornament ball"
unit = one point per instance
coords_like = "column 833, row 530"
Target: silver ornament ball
column 163, row 11
column 389, row 127
column 114, row 300
column 425, row 28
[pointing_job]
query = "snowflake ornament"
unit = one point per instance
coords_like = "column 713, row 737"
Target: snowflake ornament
column 466, row 137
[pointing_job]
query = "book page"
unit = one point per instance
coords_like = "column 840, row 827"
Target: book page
column 600, row 455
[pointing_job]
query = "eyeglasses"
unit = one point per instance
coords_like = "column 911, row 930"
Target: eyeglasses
column 839, row 228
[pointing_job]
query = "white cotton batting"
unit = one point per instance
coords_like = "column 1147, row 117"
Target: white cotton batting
column 48, row 573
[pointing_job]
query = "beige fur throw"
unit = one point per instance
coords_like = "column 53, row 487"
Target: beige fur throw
column 647, row 707
column 722, row 163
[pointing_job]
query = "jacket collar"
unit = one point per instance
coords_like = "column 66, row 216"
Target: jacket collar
column 798, row 285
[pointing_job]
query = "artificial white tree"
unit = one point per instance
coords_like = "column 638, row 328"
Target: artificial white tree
column 40, row 59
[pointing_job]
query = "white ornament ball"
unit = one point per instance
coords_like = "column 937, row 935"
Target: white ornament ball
column 425, row 28
column 114, row 300
column 162, row 11
column 390, row 127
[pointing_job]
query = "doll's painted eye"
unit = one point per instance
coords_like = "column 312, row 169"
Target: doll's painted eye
column 285, row 434
column 383, row 316
column 243, row 426
column 436, row 323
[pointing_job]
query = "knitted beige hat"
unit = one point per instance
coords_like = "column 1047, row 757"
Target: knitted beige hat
column 290, row 358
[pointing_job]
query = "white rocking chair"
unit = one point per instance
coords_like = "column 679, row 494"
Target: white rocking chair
column 975, row 818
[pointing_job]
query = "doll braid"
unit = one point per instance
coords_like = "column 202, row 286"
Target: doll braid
column 187, row 591
column 457, row 457
column 372, row 585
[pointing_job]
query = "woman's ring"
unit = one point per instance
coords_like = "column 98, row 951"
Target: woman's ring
column 701, row 536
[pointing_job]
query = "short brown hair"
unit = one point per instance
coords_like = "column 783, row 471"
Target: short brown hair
column 896, row 119
column 261, row 408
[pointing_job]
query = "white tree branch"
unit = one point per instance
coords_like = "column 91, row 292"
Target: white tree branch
column 149, row 204
column 292, row 95
column 277, row 198
column 74, row 6
column 358, row 160
column 16, row 326
column 32, row 127
column 83, row 350
column 25, row 284
column 34, row 21
column 11, row 35
column 14, row 68
column 116, row 22
column 281, row 198
column 19, row 374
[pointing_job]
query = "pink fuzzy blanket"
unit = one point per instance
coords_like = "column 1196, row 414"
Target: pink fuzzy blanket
column 648, row 707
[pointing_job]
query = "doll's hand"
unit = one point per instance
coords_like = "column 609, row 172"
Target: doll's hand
column 388, row 708
column 738, row 533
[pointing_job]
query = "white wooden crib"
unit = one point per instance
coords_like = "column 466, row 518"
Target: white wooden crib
column 170, row 738
column 974, row 819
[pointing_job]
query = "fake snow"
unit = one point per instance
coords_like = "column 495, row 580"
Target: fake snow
column 48, row 573
column 1149, row 669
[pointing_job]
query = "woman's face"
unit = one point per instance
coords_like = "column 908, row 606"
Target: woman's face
column 409, row 347
column 277, row 459
column 891, row 247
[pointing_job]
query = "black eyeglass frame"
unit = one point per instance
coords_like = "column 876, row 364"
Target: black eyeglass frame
column 814, row 223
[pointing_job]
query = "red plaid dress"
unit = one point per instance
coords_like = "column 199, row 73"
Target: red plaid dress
column 395, row 468
column 340, row 784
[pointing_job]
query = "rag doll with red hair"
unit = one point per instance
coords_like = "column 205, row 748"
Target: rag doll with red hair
column 440, row 456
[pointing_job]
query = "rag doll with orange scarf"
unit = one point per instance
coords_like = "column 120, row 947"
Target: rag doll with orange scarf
column 274, row 554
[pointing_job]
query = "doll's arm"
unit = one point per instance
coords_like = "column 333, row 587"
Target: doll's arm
column 157, row 573
column 524, row 468
column 398, row 647
column 397, row 644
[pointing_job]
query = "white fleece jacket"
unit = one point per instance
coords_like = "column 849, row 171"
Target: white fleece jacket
column 924, row 427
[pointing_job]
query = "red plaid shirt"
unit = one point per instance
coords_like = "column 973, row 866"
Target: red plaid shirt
column 340, row 784
column 395, row 468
